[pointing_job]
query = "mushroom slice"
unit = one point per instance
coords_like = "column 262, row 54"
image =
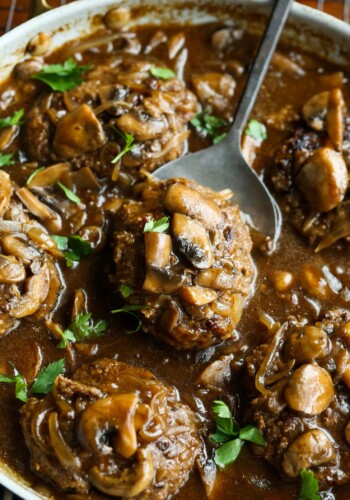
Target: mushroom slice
column 84, row 178
column 184, row 200
column 157, row 249
column 128, row 483
column 113, row 413
column 5, row 192
column 11, row 270
column 80, row 303
column 49, row 175
column 198, row 295
column 40, row 210
column 51, row 298
column 307, row 345
column 311, row 449
column 78, row 132
column 17, row 247
column 335, row 118
column 309, row 390
column 160, row 280
column 323, row 180
column 7, row 136
column 142, row 126
column 37, row 290
column 216, row 278
column 216, row 374
column 192, row 241
column 315, row 111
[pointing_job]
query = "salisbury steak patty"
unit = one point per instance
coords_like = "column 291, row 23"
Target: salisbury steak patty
column 184, row 254
column 114, row 427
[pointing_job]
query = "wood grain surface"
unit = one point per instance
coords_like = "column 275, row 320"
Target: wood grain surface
column 14, row 12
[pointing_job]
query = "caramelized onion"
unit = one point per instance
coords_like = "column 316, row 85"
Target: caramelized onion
column 60, row 447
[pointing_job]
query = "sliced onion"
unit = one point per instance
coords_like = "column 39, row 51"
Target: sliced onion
column 283, row 371
column 63, row 452
column 341, row 230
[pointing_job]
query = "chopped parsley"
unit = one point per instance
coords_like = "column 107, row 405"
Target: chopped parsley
column 230, row 436
column 15, row 119
column 210, row 125
column 256, row 129
column 33, row 174
column 82, row 328
column 163, row 73
column 157, row 226
column 129, row 144
column 62, row 77
column 74, row 247
column 131, row 309
column 43, row 383
column 69, row 193
column 125, row 291
column 6, row 160
column 309, row 486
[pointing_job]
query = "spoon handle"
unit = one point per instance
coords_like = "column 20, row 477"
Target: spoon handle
column 259, row 68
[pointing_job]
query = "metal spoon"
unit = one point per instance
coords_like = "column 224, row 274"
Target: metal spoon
column 223, row 166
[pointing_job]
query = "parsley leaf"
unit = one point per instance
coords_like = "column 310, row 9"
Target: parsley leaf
column 69, row 193
column 229, row 435
column 20, row 387
column 6, row 160
column 157, row 226
column 74, row 247
column 309, row 486
column 129, row 309
column 163, row 73
column 84, row 327
column 33, row 174
column 125, row 291
column 256, row 129
column 129, row 144
column 43, row 384
column 62, row 77
column 15, row 119
column 66, row 337
column 210, row 125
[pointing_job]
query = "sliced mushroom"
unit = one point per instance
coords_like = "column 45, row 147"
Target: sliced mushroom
column 335, row 118
column 39, row 44
column 307, row 345
column 11, row 270
column 113, row 413
column 216, row 278
column 311, row 449
column 286, row 65
column 192, row 241
column 50, row 218
column 197, row 295
column 127, row 483
column 216, row 374
column 323, row 180
column 36, row 293
column 233, row 309
column 5, row 191
column 49, row 175
column 117, row 18
column 142, row 126
column 81, row 179
column 223, row 38
column 78, row 132
column 159, row 280
column 7, row 136
column 309, row 390
column 157, row 249
column 80, row 303
column 24, row 70
column 17, row 247
column 184, row 200
column 315, row 111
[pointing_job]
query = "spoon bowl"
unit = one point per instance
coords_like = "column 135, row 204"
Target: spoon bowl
column 222, row 166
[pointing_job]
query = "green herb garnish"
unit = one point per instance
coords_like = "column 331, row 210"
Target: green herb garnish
column 125, row 291
column 82, row 328
column 15, row 119
column 129, row 144
column 230, row 436
column 62, row 77
column 163, row 73
column 42, row 384
column 33, row 174
column 74, row 247
column 210, row 125
column 6, row 160
column 256, row 129
column 309, row 486
column 69, row 193
column 131, row 309
column 157, row 226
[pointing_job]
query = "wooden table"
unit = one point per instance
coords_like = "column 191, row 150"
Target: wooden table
column 14, row 12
